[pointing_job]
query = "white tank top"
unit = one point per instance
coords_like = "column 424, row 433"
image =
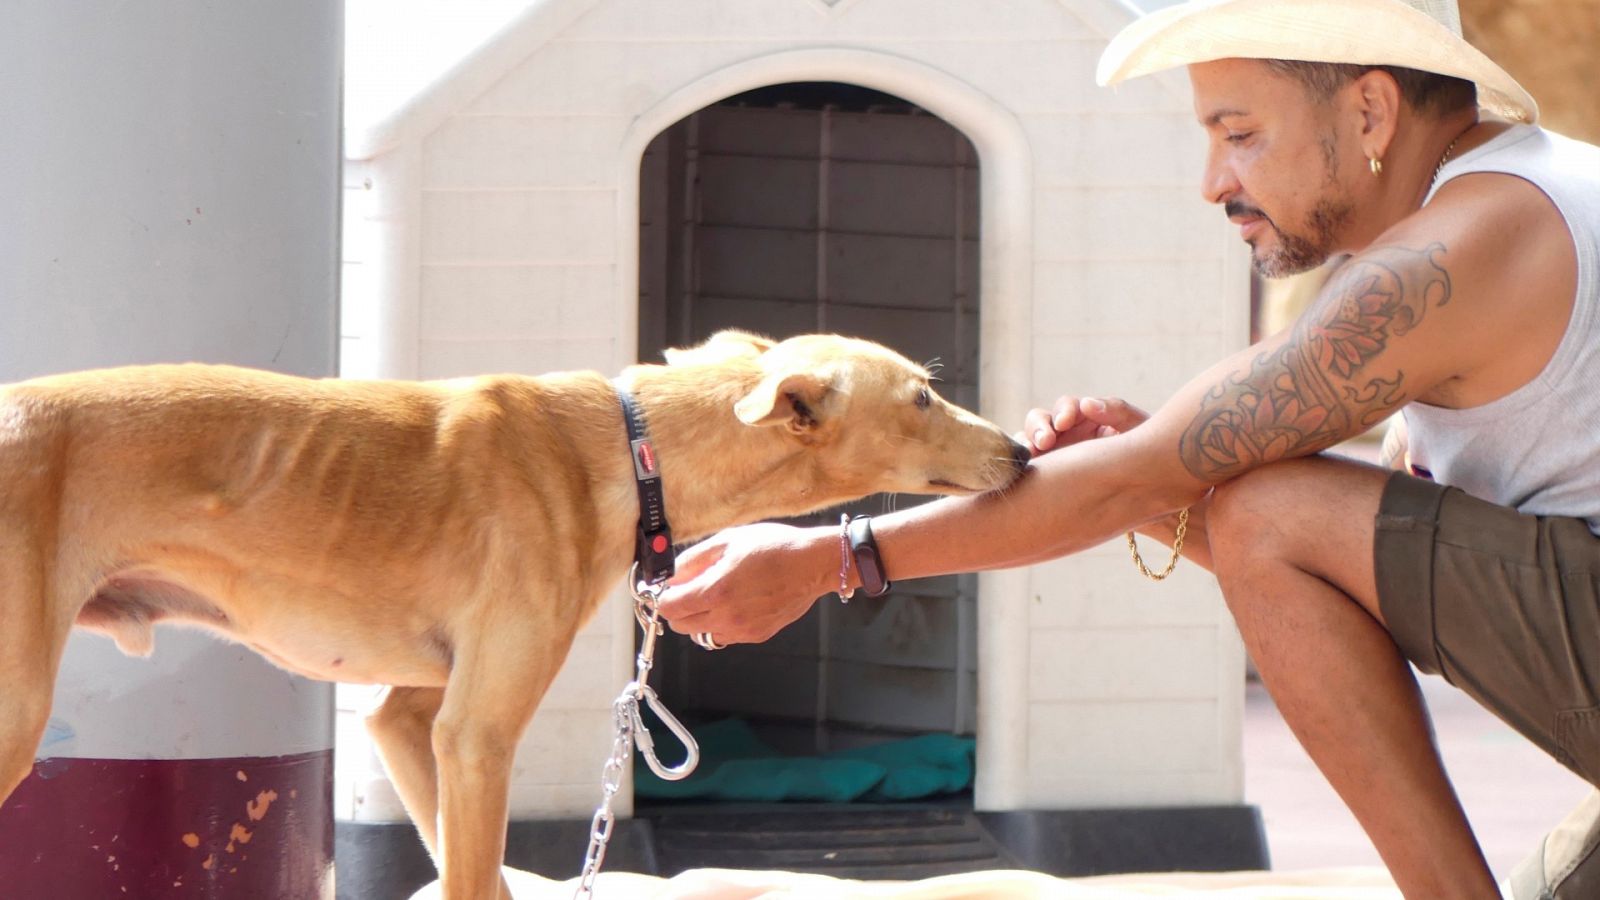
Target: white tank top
column 1536, row 449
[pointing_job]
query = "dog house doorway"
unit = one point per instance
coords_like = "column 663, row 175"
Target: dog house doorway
column 826, row 207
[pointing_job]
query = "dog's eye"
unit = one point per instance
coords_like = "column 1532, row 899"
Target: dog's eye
column 923, row 399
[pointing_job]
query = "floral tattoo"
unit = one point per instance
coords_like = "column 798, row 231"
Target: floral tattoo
column 1316, row 389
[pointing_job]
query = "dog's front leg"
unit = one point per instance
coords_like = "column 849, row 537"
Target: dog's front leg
column 495, row 685
column 31, row 643
column 402, row 727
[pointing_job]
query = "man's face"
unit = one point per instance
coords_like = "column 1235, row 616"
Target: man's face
column 1274, row 163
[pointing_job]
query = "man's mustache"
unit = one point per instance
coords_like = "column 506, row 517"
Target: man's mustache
column 1235, row 209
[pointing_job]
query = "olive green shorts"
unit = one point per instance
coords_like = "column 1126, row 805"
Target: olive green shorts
column 1505, row 606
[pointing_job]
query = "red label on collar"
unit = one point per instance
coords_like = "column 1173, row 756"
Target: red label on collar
column 644, row 457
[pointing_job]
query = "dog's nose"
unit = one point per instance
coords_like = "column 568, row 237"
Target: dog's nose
column 1020, row 454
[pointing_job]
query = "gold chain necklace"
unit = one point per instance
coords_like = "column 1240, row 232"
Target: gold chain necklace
column 1446, row 158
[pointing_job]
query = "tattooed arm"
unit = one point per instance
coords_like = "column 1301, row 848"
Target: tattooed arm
column 1359, row 353
column 1334, row 377
column 1366, row 346
column 1319, row 387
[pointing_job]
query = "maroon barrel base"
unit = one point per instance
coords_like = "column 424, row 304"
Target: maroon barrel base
column 231, row 829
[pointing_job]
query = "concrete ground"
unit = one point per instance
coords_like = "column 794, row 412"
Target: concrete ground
column 1513, row 793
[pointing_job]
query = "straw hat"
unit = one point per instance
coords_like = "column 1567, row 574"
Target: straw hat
column 1414, row 34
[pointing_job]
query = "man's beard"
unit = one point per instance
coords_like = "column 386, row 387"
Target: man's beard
column 1295, row 253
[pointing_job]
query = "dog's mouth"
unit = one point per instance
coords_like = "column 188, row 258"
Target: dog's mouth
column 998, row 474
column 951, row 486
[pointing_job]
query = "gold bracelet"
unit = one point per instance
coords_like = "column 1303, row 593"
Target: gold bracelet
column 1177, row 550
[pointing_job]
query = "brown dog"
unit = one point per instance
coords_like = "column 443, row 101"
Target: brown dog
column 448, row 538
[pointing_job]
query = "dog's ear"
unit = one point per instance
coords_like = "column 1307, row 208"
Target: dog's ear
column 794, row 400
column 730, row 343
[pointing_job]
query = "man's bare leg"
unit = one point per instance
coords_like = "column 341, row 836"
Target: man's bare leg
column 1293, row 548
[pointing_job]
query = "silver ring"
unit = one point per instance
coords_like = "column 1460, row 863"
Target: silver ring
column 704, row 639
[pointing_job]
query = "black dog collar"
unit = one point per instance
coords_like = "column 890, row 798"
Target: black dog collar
column 653, row 552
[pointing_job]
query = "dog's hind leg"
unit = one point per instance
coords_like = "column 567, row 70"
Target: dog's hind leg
column 496, row 682
column 402, row 727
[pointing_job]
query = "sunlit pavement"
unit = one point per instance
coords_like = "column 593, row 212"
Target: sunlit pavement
column 1513, row 793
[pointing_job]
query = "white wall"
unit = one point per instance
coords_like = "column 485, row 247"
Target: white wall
column 1103, row 271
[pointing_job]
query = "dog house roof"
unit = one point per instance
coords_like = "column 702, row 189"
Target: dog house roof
column 409, row 64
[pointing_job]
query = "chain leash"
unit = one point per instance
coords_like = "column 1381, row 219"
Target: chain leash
column 628, row 721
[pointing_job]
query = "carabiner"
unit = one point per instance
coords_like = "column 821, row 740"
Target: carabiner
column 647, row 744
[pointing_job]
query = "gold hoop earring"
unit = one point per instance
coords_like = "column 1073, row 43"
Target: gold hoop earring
column 1376, row 165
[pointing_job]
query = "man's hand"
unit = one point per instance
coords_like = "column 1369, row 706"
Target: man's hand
column 740, row 586
column 1075, row 419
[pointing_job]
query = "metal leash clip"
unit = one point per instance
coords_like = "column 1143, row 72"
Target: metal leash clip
column 628, row 720
column 647, row 611
column 647, row 744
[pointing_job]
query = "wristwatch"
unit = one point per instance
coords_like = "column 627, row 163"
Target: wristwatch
column 864, row 551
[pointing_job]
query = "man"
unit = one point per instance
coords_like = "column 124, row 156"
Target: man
column 1470, row 298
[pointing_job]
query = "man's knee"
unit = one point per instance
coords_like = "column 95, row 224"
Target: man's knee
column 1291, row 502
column 1312, row 516
column 1251, row 515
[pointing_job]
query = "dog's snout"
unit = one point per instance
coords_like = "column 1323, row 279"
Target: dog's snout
column 1020, row 454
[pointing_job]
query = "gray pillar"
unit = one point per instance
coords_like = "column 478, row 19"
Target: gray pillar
column 169, row 181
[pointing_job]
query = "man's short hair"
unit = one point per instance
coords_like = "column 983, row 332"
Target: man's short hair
column 1426, row 92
